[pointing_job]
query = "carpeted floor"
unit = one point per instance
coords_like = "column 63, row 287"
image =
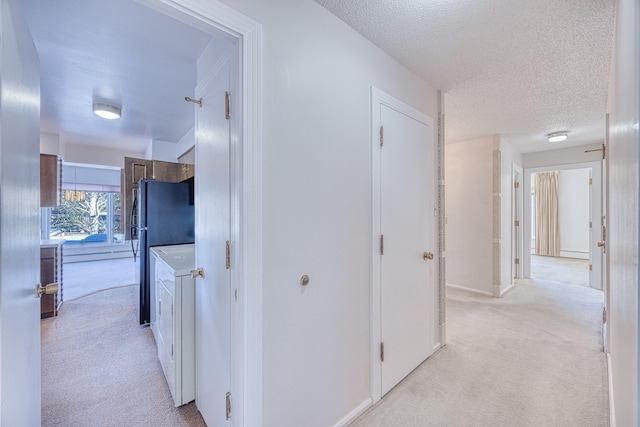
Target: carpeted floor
column 85, row 278
column 100, row 369
column 531, row 358
column 568, row 271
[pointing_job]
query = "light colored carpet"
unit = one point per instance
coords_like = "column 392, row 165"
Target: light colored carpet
column 100, row 369
column 531, row 358
column 85, row 278
column 560, row 270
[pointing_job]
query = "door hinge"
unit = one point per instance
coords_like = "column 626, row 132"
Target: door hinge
column 382, row 244
column 381, row 136
column 590, row 267
column 236, row 294
column 516, row 223
column 604, row 314
column 590, row 224
column 171, row 350
column 159, row 308
column 227, row 105
column 171, row 310
column 228, row 404
column 590, row 181
column 604, row 151
column 382, row 351
column 228, row 255
column 516, row 261
column 516, row 185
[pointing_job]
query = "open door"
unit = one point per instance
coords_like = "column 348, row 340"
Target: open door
column 19, row 220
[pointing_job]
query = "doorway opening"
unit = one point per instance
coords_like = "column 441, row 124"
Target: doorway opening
column 234, row 30
column 561, row 223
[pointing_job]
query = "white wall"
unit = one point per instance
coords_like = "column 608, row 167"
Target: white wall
column 509, row 156
column 94, row 155
column 161, row 150
column 316, row 210
column 186, row 143
column 562, row 156
column 623, row 221
column 49, row 143
column 573, row 212
column 469, row 213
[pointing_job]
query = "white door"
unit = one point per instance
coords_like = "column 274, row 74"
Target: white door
column 213, row 290
column 407, row 228
column 595, row 219
column 19, row 221
column 516, row 218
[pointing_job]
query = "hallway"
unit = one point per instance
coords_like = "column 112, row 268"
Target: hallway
column 531, row 358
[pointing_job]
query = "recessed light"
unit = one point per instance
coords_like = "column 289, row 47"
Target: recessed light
column 557, row 136
column 107, row 111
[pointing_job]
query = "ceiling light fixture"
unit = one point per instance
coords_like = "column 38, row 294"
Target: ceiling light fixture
column 107, row 111
column 557, row 136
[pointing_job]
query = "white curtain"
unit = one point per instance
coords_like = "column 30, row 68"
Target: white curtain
column 547, row 230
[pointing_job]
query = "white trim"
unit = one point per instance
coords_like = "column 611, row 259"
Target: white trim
column 612, row 406
column 596, row 166
column 507, row 289
column 574, row 254
column 379, row 98
column 470, row 290
column 351, row 416
column 214, row 17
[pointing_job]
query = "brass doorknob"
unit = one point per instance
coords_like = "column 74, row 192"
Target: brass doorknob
column 49, row 289
column 601, row 244
column 427, row 255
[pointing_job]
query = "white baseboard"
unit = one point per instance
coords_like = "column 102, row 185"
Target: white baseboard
column 351, row 416
column 475, row 291
column 507, row 289
column 574, row 254
column 612, row 406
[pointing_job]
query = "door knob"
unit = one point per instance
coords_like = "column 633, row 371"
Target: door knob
column 601, row 244
column 197, row 273
column 49, row 289
column 427, row 255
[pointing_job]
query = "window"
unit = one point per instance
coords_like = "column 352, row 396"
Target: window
column 95, row 220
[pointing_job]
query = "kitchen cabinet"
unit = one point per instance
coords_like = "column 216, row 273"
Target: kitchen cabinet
column 173, row 318
column 137, row 169
column 50, row 180
column 50, row 272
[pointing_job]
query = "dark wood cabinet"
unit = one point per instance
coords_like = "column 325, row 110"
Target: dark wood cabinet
column 50, row 180
column 50, row 272
column 137, row 169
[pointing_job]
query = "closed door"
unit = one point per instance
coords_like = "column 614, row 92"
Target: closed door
column 213, row 294
column 407, row 242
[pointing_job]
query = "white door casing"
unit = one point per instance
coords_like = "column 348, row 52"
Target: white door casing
column 596, row 258
column 219, row 19
column 404, row 307
column 516, row 217
column 213, row 243
column 19, row 221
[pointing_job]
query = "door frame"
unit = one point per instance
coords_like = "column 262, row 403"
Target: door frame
column 517, row 209
column 218, row 19
column 379, row 98
column 595, row 253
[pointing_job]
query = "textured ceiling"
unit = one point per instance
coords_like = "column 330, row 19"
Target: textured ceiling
column 117, row 51
column 518, row 68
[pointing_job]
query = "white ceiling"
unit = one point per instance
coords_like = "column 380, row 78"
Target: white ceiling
column 518, row 68
column 116, row 51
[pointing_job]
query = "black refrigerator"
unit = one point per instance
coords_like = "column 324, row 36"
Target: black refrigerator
column 166, row 216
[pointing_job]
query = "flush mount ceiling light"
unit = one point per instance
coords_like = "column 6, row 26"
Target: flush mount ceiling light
column 557, row 136
column 107, row 111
